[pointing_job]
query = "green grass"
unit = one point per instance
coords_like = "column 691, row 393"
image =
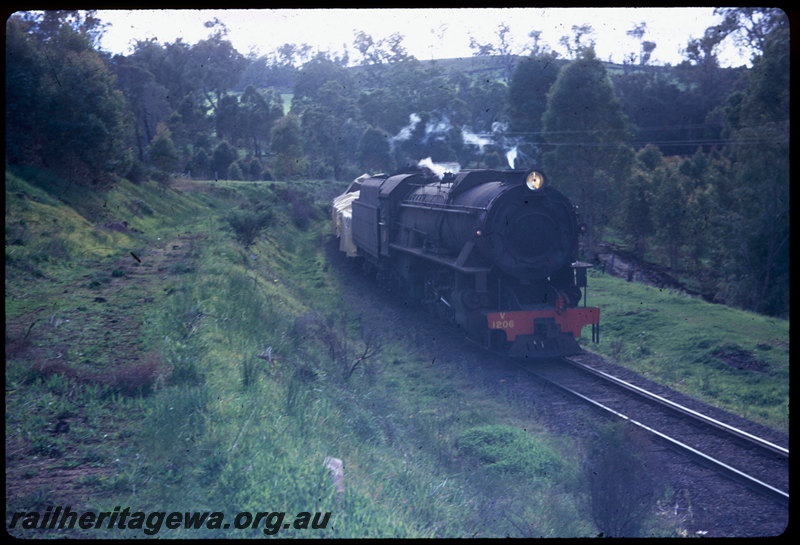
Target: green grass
column 210, row 424
column 212, row 375
column 732, row 359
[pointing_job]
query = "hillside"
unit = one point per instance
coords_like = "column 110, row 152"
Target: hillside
column 203, row 347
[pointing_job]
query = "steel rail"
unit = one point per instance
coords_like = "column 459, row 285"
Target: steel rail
column 730, row 471
column 763, row 443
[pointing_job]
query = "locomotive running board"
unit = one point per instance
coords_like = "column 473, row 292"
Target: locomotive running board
column 441, row 260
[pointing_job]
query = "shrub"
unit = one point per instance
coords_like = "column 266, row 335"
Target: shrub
column 247, row 224
column 303, row 210
column 235, row 172
column 622, row 486
column 137, row 172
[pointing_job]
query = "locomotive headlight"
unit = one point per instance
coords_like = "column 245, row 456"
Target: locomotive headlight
column 534, row 180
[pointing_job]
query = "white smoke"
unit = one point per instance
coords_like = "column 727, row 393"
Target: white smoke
column 473, row 139
column 511, row 156
column 439, row 169
column 499, row 128
column 405, row 132
column 437, row 130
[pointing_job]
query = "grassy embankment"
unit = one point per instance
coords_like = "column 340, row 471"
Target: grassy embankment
column 139, row 383
column 732, row 359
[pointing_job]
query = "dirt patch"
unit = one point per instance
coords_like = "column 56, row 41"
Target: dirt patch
column 740, row 359
column 98, row 339
column 624, row 264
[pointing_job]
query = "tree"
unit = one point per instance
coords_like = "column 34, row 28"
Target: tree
column 287, row 144
column 314, row 75
column 258, row 111
column 63, row 109
column 147, row 99
column 646, row 47
column 759, row 199
column 383, row 109
column 224, row 155
column 374, row 152
column 228, row 118
column 636, row 214
column 576, row 46
column 482, row 100
column 200, row 165
column 671, row 216
column 751, row 27
column 328, row 126
column 216, row 67
column 586, row 134
column 162, row 153
column 527, row 95
column 502, row 51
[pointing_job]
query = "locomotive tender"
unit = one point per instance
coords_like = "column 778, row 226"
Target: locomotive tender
column 493, row 251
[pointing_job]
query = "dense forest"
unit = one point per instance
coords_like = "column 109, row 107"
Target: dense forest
column 686, row 165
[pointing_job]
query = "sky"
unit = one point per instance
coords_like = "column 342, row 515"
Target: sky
column 429, row 33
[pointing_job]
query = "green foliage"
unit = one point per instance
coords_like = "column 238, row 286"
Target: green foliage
column 247, row 224
column 587, row 136
column 63, row 109
column 636, row 217
column 162, row 151
column 527, row 97
column 509, row 452
column 287, row 143
column 621, row 480
column 224, row 155
column 374, row 154
column 235, row 173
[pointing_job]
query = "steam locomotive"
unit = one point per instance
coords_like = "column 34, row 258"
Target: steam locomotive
column 493, row 251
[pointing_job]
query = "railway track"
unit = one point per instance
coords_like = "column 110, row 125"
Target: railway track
column 757, row 463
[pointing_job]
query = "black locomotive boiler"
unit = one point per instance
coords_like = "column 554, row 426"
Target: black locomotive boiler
column 493, row 251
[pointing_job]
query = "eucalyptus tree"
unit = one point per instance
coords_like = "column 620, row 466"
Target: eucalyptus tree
column 258, row 111
column 286, row 143
column 374, row 151
column 502, row 50
column 326, row 103
column 750, row 27
column 215, row 68
column 586, row 134
column 63, row 108
column 146, row 98
column 527, row 95
column 759, row 189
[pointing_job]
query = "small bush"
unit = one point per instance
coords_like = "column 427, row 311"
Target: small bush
column 137, row 172
column 621, row 483
column 247, row 224
column 235, row 172
column 303, row 210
